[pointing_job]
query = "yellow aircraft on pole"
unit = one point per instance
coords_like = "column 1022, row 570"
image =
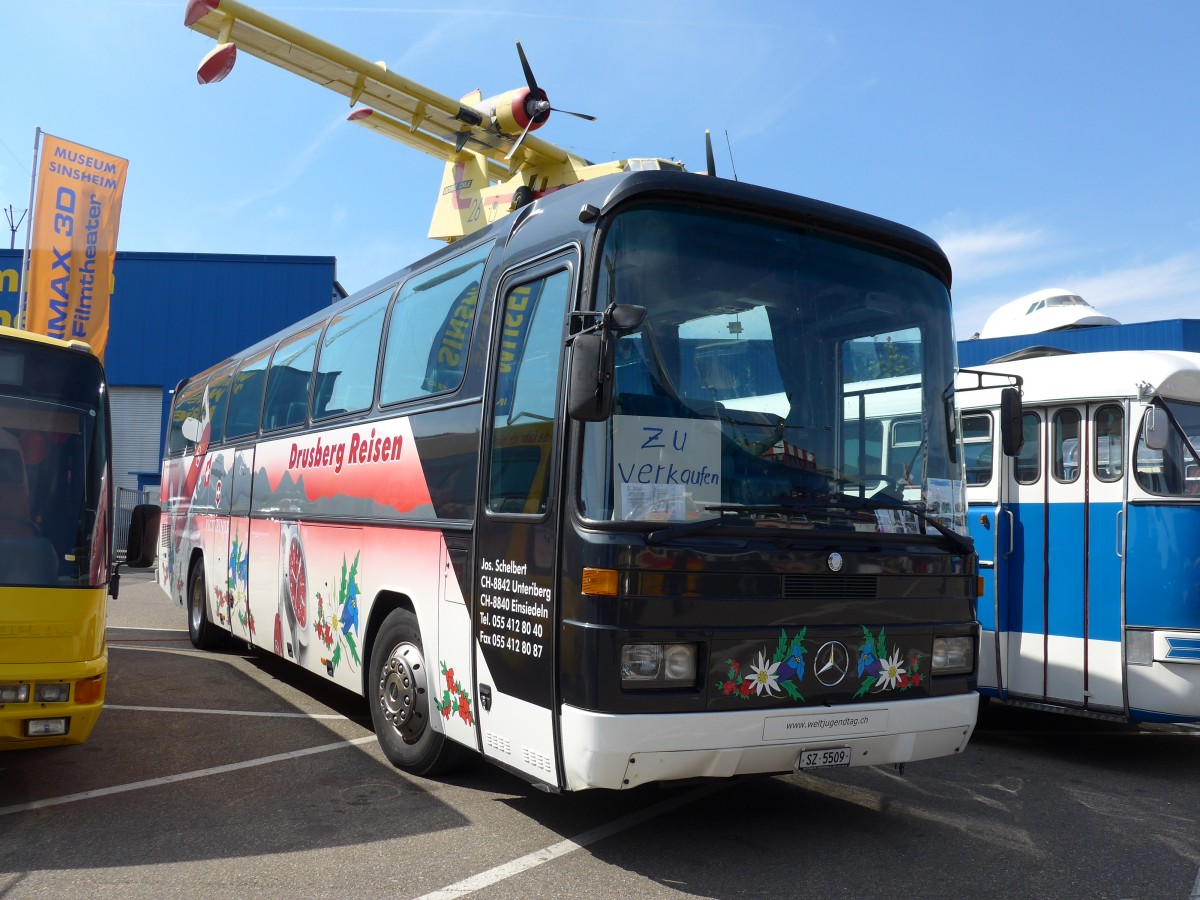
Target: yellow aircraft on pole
column 494, row 164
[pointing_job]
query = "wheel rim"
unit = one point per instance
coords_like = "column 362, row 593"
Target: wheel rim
column 197, row 605
column 402, row 687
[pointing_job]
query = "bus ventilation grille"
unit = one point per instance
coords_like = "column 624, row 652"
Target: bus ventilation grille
column 830, row 587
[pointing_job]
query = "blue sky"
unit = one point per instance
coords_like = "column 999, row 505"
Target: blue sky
column 1042, row 144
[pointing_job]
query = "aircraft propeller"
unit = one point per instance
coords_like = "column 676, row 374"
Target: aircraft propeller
column 537, row 104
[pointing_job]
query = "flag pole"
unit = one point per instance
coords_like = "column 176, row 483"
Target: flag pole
column 22, row 287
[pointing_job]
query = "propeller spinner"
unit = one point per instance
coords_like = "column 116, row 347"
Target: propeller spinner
column 537, row 106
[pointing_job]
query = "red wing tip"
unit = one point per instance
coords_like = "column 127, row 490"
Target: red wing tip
column 197, row 10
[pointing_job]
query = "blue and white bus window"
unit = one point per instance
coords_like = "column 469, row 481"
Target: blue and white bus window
column 1110, row 442
column 977, row 448
column 1066, row 445
column 1029, row 461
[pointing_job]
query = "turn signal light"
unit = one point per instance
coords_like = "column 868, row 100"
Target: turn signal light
column 600, row 582
column 89, row 690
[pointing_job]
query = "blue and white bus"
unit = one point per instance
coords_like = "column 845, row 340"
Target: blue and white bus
column 1089, row 538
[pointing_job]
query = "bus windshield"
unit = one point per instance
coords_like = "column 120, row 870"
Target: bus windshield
column 53, row 464
column 780, row 371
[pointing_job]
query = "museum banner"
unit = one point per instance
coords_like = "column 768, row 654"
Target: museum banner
column 76, row 215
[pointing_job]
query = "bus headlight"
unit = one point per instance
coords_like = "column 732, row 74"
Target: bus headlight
column 14, row 693
column 658, row 665
column 953, row 655
column 52, row 693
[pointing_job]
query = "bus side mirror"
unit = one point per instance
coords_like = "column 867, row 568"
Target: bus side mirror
column 142, row 546
column 589, row 391
column 1012, row 435
column 192, row 429
column 1154, row 429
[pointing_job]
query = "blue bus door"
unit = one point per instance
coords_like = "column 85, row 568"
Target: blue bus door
column 1059, row 584
column 1020, row 570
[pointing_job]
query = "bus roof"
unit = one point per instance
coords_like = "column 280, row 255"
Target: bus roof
column 21, row 335
column 1100, row 375
column 559, row 217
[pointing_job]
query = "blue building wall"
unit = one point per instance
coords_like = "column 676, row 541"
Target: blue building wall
column 1167, row 334
column 175, row 314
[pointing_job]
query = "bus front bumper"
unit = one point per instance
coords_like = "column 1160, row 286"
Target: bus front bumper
column 69, row 722
column 623, row 751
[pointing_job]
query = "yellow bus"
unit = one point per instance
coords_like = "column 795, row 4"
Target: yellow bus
column 56, row 523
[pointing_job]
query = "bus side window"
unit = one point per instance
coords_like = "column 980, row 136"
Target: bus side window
column 349, row 355
column 188, row 405
column 430, row 329
column 218, row 403
column 245, row 399
column 977, row 447
column 1066, row 445
column 1110, row 442
column 1028, row 462
column 289, row 380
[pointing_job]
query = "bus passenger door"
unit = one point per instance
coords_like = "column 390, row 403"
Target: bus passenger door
column 987, row 523
column 1065, row 555
column 517, row 524
column 1103, row 611
column 1021, row 555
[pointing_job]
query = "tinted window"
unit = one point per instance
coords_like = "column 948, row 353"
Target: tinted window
column 349, row 354
column 289, row 380
column 430, row 329
column 187, row 406
column 527, row 394
column 245, row 400
column 218, row 403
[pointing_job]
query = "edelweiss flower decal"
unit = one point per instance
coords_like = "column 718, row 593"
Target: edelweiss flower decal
column 891, row 671
column 763, row 676
column 778, row 675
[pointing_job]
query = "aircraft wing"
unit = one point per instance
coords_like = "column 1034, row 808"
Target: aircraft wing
column 439, row 125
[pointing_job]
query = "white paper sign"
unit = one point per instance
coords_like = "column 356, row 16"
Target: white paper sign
column 665, row 468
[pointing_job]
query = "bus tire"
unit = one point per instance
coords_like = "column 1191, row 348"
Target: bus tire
column 204, row 634
column 398, row 691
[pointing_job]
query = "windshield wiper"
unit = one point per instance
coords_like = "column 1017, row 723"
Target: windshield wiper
column 679, row 529
column 965, row 544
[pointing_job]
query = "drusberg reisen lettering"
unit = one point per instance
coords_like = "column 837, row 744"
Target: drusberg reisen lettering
column 359, row 451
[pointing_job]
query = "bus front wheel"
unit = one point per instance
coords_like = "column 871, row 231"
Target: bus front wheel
column 398, row 692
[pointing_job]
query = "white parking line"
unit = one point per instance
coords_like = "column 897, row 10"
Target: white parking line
column 570, row 845
column 229, row 712
column 183, row 776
